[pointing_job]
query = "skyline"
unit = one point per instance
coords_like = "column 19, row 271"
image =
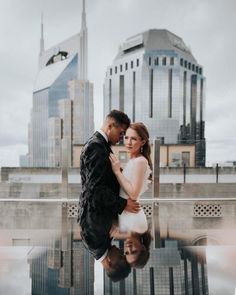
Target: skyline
column 206, row 29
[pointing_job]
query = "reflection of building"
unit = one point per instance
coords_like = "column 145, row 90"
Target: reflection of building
column 65, row 267
column 155, row 79
column 168, row 271
column 62, row 112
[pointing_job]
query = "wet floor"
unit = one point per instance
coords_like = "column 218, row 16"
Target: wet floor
column 193, row 251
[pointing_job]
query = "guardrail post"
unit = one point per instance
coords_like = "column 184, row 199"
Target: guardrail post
column 184, row 173
column 217, row 173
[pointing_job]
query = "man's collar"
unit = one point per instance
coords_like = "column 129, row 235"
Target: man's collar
column 103, row 134
column 103, row 256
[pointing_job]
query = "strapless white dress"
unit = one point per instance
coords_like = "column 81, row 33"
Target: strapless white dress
column 136, row 222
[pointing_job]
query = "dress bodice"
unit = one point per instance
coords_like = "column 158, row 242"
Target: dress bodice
column 136, row 222
column 128, row 172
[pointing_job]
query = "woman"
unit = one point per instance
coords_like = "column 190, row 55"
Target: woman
column 134, row 182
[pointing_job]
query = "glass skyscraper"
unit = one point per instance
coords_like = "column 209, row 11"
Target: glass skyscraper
column 62, row 76
column 156, row 79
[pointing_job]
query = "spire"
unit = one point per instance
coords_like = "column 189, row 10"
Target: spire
column 42, row 38
column 83, row 24
column 83, row 50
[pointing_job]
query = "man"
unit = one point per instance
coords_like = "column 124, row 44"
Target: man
column 100, row 202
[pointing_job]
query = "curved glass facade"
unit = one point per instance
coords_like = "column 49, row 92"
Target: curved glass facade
column 59, row 89
column 45, row 106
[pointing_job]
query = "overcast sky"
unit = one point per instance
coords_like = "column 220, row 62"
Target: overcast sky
column 206, row 26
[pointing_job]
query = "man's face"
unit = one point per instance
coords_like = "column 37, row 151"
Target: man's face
column 116, row 133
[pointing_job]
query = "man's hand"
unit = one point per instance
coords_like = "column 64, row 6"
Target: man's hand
column 132, row 206
column 115, row 163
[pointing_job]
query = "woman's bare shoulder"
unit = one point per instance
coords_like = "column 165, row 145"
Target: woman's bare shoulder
column 141, row 159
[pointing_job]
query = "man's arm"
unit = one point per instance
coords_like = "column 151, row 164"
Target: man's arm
column 96, row 160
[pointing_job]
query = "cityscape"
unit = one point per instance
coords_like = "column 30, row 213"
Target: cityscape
column 64, row 67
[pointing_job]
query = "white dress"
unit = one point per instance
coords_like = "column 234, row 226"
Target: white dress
column 136, row 222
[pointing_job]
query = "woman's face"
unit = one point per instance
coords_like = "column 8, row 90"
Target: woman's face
column 133, row 142
column 133, row 247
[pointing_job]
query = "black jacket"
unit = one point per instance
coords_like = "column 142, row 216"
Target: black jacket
column 100, row 202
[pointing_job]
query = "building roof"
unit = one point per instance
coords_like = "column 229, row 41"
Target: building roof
column 155, row 39
column 48, row 75
column 71, row 45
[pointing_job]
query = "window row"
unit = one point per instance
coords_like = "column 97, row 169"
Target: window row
column 190, row 66
column 125, row 67
column 164, row 61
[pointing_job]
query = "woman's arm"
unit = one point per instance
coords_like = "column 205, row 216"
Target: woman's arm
column 133, row 188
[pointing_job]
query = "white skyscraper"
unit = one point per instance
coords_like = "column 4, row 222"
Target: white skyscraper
column 155, row 79
column 62, row 76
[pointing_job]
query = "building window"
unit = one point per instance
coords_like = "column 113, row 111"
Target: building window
column 186, row 159
column 122, row 92
column 120, row 68
column 156, row 61
column 200, row 71
column 115, row 70
column 170, row 94
column 184, row 102
column 150, row 61
column 132, row 64
column 201, row 110
column 181, row 62
column 126, row 66
column 172, row 61
column 110, row 71
column 189, row 65
column 164, row 61
column 193, row 107
column 185, row 63
column 134, row 95
column 175, row 160
column 196, row 69
column 193, row 68
column 110, row 81
column 137, row 62
column 151, row 93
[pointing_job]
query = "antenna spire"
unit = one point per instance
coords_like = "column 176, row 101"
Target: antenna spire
column 42, row 37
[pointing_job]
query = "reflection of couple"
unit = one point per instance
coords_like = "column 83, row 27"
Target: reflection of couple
column 109, row 195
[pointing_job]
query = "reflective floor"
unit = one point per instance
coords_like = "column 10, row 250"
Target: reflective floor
column 193, row 250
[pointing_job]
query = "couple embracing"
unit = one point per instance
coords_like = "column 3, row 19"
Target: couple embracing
column 109, row 196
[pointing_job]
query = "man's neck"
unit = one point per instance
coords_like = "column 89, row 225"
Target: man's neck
column 104, row 133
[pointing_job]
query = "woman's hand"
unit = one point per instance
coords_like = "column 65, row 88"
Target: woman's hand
column 115, row 164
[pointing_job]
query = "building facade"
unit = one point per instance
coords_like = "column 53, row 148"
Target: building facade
column 155, row 79
column 62, row 111
column 171, row 155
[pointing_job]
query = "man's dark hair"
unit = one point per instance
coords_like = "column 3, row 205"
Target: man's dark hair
column 119, row 117
column 120, row 271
